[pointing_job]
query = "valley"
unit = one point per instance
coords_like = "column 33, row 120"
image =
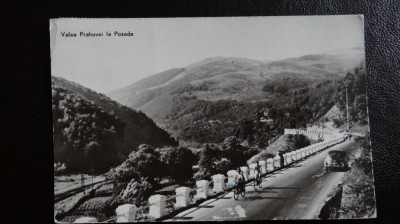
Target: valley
column 187, row 124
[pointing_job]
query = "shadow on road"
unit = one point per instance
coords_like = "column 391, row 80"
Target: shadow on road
column 205, row 206
column 281, row 171
column 284, row 187
column 181, row 218
column 223, row 197
column 252, row 198
column 260, row 191
column 338, row 169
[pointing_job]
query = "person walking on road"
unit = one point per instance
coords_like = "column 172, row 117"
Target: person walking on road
column 257, row 169
column 82, row 180
column 282, row 159
column 257, row 172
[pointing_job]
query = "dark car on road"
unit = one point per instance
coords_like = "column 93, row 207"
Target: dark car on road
column 336, row 160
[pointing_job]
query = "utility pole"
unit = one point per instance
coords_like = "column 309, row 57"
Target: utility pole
column 346, row 84
column 295, row 113
column 295, row 105
column 92, row 177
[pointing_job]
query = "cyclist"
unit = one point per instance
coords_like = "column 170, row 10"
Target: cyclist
column 239, row 179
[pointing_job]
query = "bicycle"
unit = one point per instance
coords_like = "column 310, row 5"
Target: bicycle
column 257, row 181
column 238, row 190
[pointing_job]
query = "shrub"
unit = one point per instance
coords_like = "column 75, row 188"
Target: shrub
column 359, row 199
column 59, row 168
column 142, row 163
column 266, row 155
column 337, row 122
column 297, row 141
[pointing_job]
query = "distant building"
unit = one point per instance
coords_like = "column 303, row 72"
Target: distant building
column 214, row 122
column 267, row 121
column 195, row 168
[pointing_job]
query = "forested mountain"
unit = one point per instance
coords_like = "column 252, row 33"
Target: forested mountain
column 92, row 131
column 219, row 97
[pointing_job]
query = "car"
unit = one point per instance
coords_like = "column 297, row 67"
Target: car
column 336, row 160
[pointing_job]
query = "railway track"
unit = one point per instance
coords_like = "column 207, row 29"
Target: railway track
column 67, row 194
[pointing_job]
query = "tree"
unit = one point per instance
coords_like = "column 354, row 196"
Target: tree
column 272, row 113
column 90, row 152
column 142, row 163
column 146, row 160
column 268, row 87
column 86, row 135
column 251, row 152
column 358, row 198
column 360, row 107
column 180, row 164
column 232, row 150
column 349, row 78
column 206, row 163
column 222, row 166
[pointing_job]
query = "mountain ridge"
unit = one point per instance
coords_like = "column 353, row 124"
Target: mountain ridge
column 232, row 73
column 218, row 87
column 76, row 111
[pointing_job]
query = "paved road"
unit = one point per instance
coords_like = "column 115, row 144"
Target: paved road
column 296, row 192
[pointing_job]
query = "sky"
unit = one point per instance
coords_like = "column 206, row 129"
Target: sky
column 110, row 62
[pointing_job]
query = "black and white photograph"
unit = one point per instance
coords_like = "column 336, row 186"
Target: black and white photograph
column 210, row 119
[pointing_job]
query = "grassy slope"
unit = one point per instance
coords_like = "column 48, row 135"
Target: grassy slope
column 180, row 101
column 274, row 148
column 239, row 78
column 149, row 82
